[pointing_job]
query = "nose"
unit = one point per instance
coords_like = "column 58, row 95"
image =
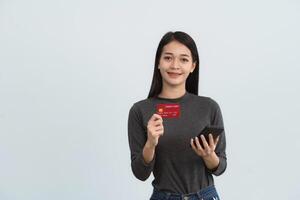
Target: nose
column 175, row 64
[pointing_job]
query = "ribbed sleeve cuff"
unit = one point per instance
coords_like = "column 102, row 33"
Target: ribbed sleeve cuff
column 220, row 169
column 147, row 165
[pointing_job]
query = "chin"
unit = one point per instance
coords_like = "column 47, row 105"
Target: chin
column 175, row 83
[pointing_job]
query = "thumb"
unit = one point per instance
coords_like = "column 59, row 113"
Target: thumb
column 155, row 117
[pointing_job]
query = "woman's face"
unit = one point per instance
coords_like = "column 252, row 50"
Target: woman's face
column 175, row 63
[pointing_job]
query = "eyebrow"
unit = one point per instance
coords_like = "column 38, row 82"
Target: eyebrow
column 180, row 54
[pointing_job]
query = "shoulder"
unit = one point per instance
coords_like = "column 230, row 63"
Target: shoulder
column 138, row 105
column 205, row 100
column 141, row 103
column 141, row 110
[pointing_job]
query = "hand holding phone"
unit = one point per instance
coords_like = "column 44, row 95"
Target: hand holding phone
column 214, row 130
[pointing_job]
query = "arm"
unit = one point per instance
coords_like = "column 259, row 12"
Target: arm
column 148, row 152
column 220, row 150
column 212, row 161
column 142, row 156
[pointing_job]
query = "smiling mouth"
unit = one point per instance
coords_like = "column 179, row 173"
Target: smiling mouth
column 173, row 75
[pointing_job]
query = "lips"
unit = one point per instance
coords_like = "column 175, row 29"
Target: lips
column 173, row 74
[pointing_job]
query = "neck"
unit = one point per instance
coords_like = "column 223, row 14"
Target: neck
column 172, row 92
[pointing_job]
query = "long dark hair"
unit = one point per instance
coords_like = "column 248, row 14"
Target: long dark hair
column 193, row 78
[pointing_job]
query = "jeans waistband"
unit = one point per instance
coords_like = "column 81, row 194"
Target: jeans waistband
column 208, row 192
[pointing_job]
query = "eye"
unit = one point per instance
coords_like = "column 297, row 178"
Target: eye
column 168, row 58
column 184, row 60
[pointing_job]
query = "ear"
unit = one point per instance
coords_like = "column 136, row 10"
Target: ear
column 194, row 66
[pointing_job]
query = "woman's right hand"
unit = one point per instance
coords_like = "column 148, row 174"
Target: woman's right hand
column 155, row 129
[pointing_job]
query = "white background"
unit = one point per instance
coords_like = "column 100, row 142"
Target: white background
column 70, row 71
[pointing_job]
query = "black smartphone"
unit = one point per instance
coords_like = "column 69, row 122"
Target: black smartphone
column 214, row 130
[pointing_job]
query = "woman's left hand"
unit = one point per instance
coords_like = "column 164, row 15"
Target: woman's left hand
column 208, row 148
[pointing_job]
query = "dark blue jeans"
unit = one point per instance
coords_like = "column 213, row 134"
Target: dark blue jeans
column 208, row 193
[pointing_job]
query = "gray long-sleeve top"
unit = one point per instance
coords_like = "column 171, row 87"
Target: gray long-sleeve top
column 176, row 167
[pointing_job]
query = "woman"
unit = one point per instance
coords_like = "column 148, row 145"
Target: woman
column 163, row 129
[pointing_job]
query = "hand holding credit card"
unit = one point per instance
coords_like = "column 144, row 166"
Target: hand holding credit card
column 168, row 110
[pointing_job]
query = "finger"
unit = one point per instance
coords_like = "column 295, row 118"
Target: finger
column 158, row 119
column 160, row 132
column 152, row 118
column 211, row 139
column 157, row 122
column 205, row 144
column 217, row 140
column 198, row 145
column 193, row 144
column 155, row 117
column 157, row 133
column 159, row 128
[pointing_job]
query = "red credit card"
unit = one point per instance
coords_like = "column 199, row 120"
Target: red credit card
column 168, row 110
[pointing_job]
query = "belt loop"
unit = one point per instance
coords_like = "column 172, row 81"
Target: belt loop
column 199, row 195
column 185, row 197
column 168, row 195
